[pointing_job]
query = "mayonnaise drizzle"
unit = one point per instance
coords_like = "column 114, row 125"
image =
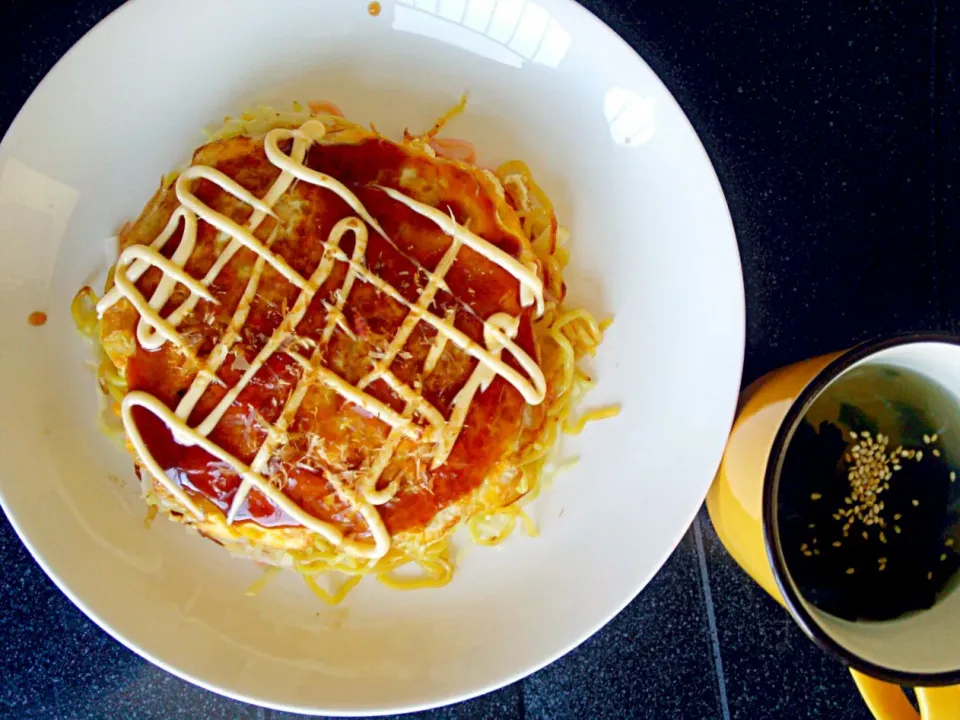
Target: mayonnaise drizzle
column 527, row 277
column 153, row 331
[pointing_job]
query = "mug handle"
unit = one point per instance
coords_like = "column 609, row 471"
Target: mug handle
column 887, row 701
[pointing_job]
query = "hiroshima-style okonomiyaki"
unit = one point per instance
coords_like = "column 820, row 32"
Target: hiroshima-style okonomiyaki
column 328, row 349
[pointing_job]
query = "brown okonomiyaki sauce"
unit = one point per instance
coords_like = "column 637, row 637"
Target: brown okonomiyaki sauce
column 307, row 215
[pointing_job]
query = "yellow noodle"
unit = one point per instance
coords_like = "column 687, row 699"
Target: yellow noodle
column 345, row 587
column 84, row 311
column 437, row 573
column 518, row 167
column 590, row 416
column 477, row 534
column 529, row 527
column 269, row 574
column 447, row 117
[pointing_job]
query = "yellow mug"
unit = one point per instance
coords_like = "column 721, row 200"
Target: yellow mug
column 741, row 507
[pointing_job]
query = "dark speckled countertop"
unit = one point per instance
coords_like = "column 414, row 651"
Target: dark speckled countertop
column 833, row 127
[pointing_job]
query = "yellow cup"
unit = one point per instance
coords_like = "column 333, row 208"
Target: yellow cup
column 740, row 497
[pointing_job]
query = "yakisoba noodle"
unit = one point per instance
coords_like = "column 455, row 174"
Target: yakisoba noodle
column 296, row 383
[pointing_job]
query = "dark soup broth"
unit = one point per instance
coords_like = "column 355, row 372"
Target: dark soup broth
column 868, row 500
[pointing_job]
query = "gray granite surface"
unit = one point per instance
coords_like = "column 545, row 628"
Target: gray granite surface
column 833, row 127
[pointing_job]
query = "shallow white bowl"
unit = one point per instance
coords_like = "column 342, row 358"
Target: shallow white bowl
column 652, row 245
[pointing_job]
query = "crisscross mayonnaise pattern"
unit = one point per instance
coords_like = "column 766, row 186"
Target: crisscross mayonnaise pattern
column 153, row 331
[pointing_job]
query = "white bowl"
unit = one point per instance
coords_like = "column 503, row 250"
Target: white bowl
column 652, row 244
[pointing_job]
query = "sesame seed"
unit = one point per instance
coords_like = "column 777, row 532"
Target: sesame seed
column 895, row 467
column 915, row 503
column 953, row 477
column 853, row 435
column 929, row 576
column 865, row 434
column 936, row 453
column 949, row 542
column 803, row 547
column 837, row 543
column 807, row 553
column 816, row 552
column 919, row 455
column 926, row 439
column 881, row 560
column 897, row 516
column 815, row 496
column 850, row 571
column 865, row 535
column 896, row 529
column 883, row 538
column 812, row 525
column 943, row 557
